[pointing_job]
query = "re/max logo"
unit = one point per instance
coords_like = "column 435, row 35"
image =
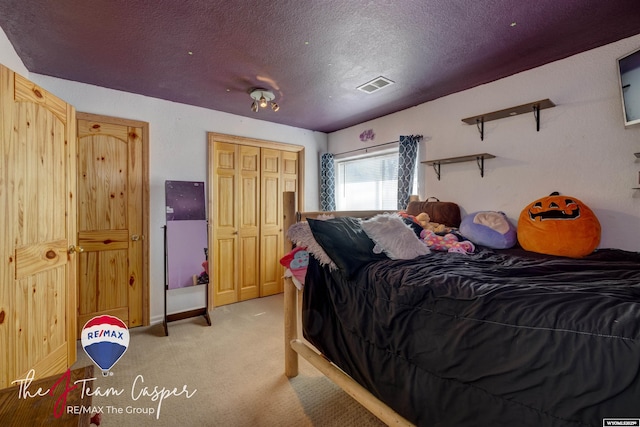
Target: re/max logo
column 105, row 333
column 621, row 422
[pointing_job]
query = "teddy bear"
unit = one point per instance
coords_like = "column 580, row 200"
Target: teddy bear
column 425, row 221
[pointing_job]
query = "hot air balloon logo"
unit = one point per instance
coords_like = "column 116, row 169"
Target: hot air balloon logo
column 105, row 339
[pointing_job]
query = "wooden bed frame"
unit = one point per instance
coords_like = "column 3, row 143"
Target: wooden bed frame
column 296, row 345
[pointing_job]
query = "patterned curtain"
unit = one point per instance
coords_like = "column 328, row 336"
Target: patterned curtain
column 407, row 156
column 327, row 183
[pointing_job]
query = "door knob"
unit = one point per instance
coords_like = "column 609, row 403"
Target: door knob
column 73, row 249
column 135, row 237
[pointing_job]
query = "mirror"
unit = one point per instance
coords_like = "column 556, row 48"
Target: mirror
column 629, row 78
column 187, row 263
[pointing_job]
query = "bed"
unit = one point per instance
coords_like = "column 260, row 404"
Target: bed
column 496, row 337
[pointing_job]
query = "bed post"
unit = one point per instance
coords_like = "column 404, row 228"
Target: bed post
column 290, row 294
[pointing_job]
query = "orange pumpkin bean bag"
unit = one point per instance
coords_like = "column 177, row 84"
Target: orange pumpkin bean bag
column 559, row 225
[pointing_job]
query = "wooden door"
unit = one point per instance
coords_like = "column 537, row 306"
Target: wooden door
column 111, row 217
column 249, row 223
column 248, row 177
column 234, row 262
column 37, row 224
column 223, row 254
column 290, row 172
column 271, row 222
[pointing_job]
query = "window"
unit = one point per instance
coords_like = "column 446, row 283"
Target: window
column 369, row 183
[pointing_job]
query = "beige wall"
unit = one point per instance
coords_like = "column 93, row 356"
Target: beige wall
column 582, row 149
column 178, row 148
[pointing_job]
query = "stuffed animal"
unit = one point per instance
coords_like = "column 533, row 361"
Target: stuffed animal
column 559, row 225
column 447, row 243
column 490, row 229
column 425, row 221
column 296, row 263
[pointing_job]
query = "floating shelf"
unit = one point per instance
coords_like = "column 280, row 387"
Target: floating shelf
column 479, row 158
column 534, row 107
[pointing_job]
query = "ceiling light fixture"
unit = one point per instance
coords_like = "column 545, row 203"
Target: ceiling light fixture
column 261, row 99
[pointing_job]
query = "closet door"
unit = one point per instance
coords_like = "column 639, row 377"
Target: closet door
column 223, row 256
column 37, row 223
column 246, row 233
column 249, row 223
column 271, row 222
column 234, row 262
column 290, row 172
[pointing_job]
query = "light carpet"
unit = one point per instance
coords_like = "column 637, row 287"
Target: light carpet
column 228, row 374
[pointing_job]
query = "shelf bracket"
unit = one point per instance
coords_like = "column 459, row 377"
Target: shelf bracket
column 536, row 114
column 480, row 161
column 436, row 168
column 480, row 126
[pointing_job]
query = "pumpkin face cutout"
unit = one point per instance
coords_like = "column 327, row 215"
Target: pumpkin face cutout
column 559, row 225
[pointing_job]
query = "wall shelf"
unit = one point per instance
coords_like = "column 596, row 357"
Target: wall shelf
column 479, row 158
column 534, row 107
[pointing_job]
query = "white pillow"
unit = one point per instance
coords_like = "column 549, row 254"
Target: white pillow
column 300, row 234
column 394, row 237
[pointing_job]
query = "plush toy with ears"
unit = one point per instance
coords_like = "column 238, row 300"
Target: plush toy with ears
column 423, row 218
column 425, row 221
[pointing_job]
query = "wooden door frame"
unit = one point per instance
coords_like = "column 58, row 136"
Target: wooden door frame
column 146, row 316
column 212, row 139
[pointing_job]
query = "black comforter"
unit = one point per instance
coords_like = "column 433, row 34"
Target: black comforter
column 490, row 339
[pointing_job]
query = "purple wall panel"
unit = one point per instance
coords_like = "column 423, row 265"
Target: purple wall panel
column 185, row 200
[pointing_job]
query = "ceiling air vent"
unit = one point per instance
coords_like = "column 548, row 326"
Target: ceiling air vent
column 375, row 85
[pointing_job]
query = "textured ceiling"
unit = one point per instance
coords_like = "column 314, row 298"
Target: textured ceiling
column 311, row 53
